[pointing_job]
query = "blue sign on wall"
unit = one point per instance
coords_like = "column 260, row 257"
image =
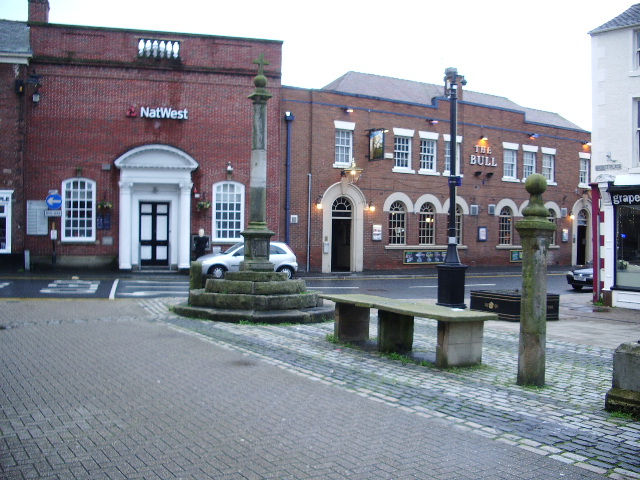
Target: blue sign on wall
column 54, row 201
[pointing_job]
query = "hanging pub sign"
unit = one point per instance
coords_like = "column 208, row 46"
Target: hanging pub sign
column 376, row 144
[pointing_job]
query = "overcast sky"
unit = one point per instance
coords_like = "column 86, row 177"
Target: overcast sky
column 536, row 53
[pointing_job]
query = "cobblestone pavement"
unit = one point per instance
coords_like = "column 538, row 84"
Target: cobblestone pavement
column 125, row 389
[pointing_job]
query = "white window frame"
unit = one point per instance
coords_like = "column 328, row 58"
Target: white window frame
column 529, row 160
column 344, row 159
column 428, row 153
column 510, row 162
column 636, row 46
column 447, row 155
column 548, row 168
column 220, row 232
column 397, row 223
column 505, row 226
column 5, row 215
column 402, row 146
column 584, row 170
column 89, row 222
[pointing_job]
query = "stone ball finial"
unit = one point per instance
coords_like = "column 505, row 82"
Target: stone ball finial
column 260, row 81
column 536, row 184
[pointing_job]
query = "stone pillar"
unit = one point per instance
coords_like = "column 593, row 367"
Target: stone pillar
column 535, row 234
column 257, row 236
column 125, row 242
column 624, row 394
column 183, row 257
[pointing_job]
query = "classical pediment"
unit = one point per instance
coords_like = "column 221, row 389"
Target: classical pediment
column 162, row 157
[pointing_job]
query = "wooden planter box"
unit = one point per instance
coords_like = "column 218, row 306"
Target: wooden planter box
column 506, row 303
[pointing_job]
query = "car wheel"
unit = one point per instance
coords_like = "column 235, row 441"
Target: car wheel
column 576, row 287
column 217, row 271
column 287, row 270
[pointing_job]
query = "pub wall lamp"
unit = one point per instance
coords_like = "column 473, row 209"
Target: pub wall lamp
column 371, row 207
column 229, row 168
column 353, row 171
column 432, row 121
column 20, row 86
column 347, row 109
column 533, row 136
column 319, row 202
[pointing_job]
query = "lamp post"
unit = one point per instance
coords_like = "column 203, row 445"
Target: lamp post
column 451, row 273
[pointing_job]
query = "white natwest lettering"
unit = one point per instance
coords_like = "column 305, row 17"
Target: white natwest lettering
column 164, row 112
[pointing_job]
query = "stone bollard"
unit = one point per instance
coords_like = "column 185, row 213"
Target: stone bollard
column 624, row 395
column 535, row 233
column 195, row 276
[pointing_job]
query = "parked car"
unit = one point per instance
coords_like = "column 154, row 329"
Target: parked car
column 216, row 264
column 580, row 277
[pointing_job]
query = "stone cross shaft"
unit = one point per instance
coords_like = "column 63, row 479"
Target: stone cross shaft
column 257, row 236
column 535, row 232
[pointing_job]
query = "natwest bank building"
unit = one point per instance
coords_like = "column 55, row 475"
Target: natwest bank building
column 135, row 137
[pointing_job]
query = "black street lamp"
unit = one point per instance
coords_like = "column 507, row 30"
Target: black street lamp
column 451, row 273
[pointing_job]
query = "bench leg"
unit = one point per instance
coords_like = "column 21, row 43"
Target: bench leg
column 351, row 323
column 459, row 344
column 395, row 332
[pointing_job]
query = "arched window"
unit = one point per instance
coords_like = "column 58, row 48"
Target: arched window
column 459, row 225
column 505, row 228
column 427, row 225
column 78, row 210
column 397, row 224
column 552, row 219
column 341, row 208
column 228, row 213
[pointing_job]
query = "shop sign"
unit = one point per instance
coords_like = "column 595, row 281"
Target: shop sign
column 483, row 157
column 625, row 199
column 164, row 112
column 159, row 112
column 609, row 166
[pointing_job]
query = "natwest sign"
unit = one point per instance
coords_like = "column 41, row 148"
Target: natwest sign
column 159, row 112
column 164, row 112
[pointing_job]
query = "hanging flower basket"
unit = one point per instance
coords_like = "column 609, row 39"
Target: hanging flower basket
column 105, row 205
column 203, row 206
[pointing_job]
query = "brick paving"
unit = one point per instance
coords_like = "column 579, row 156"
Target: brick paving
column 125, row 389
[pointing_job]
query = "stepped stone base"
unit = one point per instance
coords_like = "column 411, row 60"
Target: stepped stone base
column 257, row 297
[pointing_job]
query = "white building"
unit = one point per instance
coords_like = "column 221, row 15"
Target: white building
column 615, row 48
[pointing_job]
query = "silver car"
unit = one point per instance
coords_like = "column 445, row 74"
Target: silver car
column 216, row 264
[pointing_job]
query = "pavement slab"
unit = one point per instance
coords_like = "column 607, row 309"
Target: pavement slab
column 126, row 389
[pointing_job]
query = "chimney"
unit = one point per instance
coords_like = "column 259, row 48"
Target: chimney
column 39, row 11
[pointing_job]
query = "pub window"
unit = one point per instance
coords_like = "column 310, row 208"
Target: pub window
column 228, row 213
column 458, row 225
column 447, row 155
column 549, row 164
column 427, row 155
column 584, row 171
column 510, row 164
column 552, row 219
column 402, row 152
column 397, row 224
column 628, row 246
column 344, row 147
column 78, row 210
column 427, row 225
column 505, row 227
column 528, row 164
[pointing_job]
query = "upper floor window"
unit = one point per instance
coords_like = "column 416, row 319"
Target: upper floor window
column 402, row 152
column 397, row 224
column 510, row 161
column 427, row 155
column 549, row 164
column 505, row 228
column 344, row 143
column 584, row 169
column 427, row 225
column 637, row 48
column 344, row 146
column 78, row 210
column 447, row 155
column 228, row 211
column 528, row 161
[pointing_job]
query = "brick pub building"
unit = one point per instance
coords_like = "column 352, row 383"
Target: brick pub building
column 120, row 145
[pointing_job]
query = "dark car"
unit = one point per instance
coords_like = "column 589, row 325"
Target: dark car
column 580, row 277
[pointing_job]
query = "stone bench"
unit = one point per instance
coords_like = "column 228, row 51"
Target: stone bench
column 460, row 332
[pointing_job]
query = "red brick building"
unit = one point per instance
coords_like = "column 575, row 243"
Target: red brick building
column 406, row 180
column 123, row 144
